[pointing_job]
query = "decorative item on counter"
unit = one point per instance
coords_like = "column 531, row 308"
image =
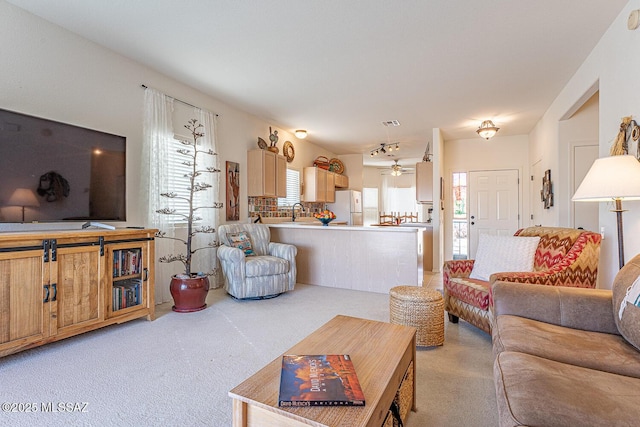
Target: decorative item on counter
column 262, row 144
column 325, row 217
column 288, row 151
column 273, row 137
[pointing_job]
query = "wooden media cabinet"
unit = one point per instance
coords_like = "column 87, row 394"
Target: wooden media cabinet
column 57, row 284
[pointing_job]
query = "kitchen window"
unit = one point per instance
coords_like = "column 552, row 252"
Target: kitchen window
column 293, row 189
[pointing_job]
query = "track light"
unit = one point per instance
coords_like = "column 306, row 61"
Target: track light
column 385, row 147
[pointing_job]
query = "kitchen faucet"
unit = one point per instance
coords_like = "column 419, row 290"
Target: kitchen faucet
column 293, row 211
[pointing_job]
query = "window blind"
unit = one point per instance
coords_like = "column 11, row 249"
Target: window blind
column 293, row 189
column 179, row 181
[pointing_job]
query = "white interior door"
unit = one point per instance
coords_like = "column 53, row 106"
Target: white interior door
column 585, row 215
column 493, row 204
column 535, row 202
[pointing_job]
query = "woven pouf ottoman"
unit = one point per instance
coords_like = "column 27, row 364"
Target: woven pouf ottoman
column 421, row 308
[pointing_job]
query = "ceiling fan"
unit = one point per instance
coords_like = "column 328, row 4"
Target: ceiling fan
column 396, row 169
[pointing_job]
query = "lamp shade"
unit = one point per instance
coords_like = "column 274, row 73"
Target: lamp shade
column 610, row 178
column 301, row 134
column 23, row 197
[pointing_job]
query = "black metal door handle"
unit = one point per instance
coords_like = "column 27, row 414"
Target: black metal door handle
column 46, row 295
column 55, row 292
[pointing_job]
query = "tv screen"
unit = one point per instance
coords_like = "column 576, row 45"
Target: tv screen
column 53, row 171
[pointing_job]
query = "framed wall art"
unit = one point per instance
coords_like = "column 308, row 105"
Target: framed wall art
column 546, row 194
column 233, row 191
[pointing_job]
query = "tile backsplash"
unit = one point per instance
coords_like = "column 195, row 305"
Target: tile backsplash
column 267, row 207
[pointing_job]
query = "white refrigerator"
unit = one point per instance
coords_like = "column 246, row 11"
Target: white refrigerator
column 347, row 207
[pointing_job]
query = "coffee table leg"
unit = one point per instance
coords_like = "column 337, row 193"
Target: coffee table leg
column 239, row 413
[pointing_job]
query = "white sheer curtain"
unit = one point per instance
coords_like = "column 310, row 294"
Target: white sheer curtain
column 157, row 134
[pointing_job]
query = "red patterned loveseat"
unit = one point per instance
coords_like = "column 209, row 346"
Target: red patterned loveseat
column 564, row 257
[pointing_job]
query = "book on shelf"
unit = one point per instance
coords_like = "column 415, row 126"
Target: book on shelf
column 319, row 380
column 126, row 262
column 126, row 293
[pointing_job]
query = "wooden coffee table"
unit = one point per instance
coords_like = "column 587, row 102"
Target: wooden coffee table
column 381, row 353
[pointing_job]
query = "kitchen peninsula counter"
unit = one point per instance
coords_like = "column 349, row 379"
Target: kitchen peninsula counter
column 363, row 258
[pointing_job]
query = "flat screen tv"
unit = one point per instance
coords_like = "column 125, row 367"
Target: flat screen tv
column 51, row 171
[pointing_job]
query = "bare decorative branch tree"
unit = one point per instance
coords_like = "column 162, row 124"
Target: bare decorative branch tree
column 191, row 152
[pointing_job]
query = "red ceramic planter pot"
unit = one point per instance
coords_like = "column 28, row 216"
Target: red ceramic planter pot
column 189, row 295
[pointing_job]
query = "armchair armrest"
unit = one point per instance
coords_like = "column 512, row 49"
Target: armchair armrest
column 283, row 250
column 230, row 254
column 577, row 308
column 457, row 268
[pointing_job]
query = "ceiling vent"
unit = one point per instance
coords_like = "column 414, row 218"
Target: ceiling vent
column 391, row 123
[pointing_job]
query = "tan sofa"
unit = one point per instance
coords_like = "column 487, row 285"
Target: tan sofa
column 564, row 357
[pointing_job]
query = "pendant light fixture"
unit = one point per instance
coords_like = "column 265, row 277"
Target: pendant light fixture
column 487, row 129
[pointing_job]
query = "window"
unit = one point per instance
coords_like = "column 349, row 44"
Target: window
column 370, row 206
column 460, row 239
column 179, row 181
column 293, row 189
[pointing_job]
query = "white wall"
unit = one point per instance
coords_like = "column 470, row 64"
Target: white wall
column 578, row 130
column 500, row 152
column 613, row 66
column 50, row 72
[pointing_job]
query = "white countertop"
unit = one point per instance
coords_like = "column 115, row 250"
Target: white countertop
column 338, row 227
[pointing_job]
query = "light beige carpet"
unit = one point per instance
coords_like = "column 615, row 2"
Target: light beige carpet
column 178, row 369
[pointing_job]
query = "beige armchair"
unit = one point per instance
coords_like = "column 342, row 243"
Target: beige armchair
column 267, row 272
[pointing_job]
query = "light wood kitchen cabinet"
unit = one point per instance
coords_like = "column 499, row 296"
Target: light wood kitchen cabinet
column 57, row 284
column 319, row 185
column 424, row 182
column 341, row 181
column 266, row 174
column 331, row 188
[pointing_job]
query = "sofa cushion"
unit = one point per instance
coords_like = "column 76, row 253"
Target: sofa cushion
column 555, row 243
column 534, row 391
column 241, row 241
column 266, row 266
column 594, row 350
column 471, row 291
column 497, row 254
column 626, row 301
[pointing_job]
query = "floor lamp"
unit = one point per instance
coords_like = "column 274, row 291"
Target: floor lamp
column 614, row 178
